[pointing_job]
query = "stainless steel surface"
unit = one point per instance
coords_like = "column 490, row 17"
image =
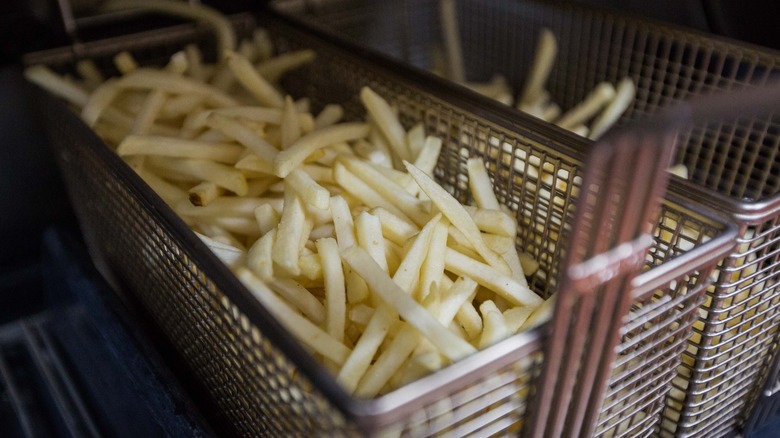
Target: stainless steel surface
column 264, row 382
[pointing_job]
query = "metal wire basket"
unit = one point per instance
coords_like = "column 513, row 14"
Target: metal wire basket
column 261, row 379
column 733, row 164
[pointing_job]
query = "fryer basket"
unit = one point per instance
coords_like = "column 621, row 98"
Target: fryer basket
column 262, row 380
column 731, row 364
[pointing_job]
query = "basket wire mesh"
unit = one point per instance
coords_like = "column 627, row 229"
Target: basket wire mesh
column 263, row 382
column 733, row 164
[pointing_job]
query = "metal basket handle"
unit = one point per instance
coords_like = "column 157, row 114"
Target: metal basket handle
column 626, row 174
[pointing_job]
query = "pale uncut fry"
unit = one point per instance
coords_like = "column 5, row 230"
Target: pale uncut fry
column 299, row 297
column 373, row 154
column 415, row 140
column 57, row 85
column 244, row 135
column 291, row 128
column 581, row 130
column 388, row 363
column 291, row 157
column 229, row 255
column 308, row 333
column 88, row 71
column 550, row 112
column 468, row 317
column 501, row 284
column 546, row 51
column 259, row 257
column 256, row 164
column 277, row 66
column 680, row 170
column 194, row 62
column 329, row 115
column 541, row 314
column 311, row 268
column 239, row 225
column 387, row 189
column 308, row 189
column 387, row 121
column 600, row 96
column 179, row 106
column 219, row 234
column 250, row 79
column 98, row 101
column 335, row 289
column 147, row 79
column 499, row 244
column 494, row 328
column 321, row 174
column 258, row 186
column 289, row 232
column 175, row 147
column 394, row 228
column 479, row 184
column 457, row 215
column 429, row 155
column 433, row 269
column 623, row 99
column 206, row 170
column 177, row 63
column 516, row 316
column 529, row 263
column 360, row 314
column 125, row 62
column 322, row 231
column 493, row 221
column 227, row 206
column 203, row 193
column 447, row 343
column 368, row 231
column 513, row 260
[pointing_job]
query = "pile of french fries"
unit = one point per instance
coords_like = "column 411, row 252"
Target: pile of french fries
column 591, row 118
column 337, row 227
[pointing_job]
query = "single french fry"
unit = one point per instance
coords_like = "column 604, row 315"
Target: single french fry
column 227, row 206
column 429, row 155
column 256, row 164
column 125, row 63
column 479, row 184
column 207, row 170
column 89, row 72
column 529, row 263
column 253, row 82
column 330, row 115
column 203, row 193
column 335, row 292
column 387, row 122
column 396, row 229
column 451, row 35
column 433, row 269
column 57, row 85
column 360, row 314
column 294, row 155
column 493, row 221
column 368, row 231
column 501, row 284
column 289, row 232
column 308, row 189
column 174, row 147
column 415, row 140
column 170, row 193
column 515, row 317
column 303, row 329
column 229, row 255
column 273, row 68
column 291, row 127
column 546, row 51
column 541, row 314
column 357, row 290
column 600, row 96
column 259, row 257
column 494, row 327
column 460, row 292
column 388, row 363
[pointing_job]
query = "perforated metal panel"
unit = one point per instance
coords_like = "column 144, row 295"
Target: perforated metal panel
column 264, row 383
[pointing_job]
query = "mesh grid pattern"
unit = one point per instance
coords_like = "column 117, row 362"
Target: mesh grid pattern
column 258, row 390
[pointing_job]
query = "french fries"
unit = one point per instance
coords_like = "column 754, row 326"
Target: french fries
column 337, row 227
